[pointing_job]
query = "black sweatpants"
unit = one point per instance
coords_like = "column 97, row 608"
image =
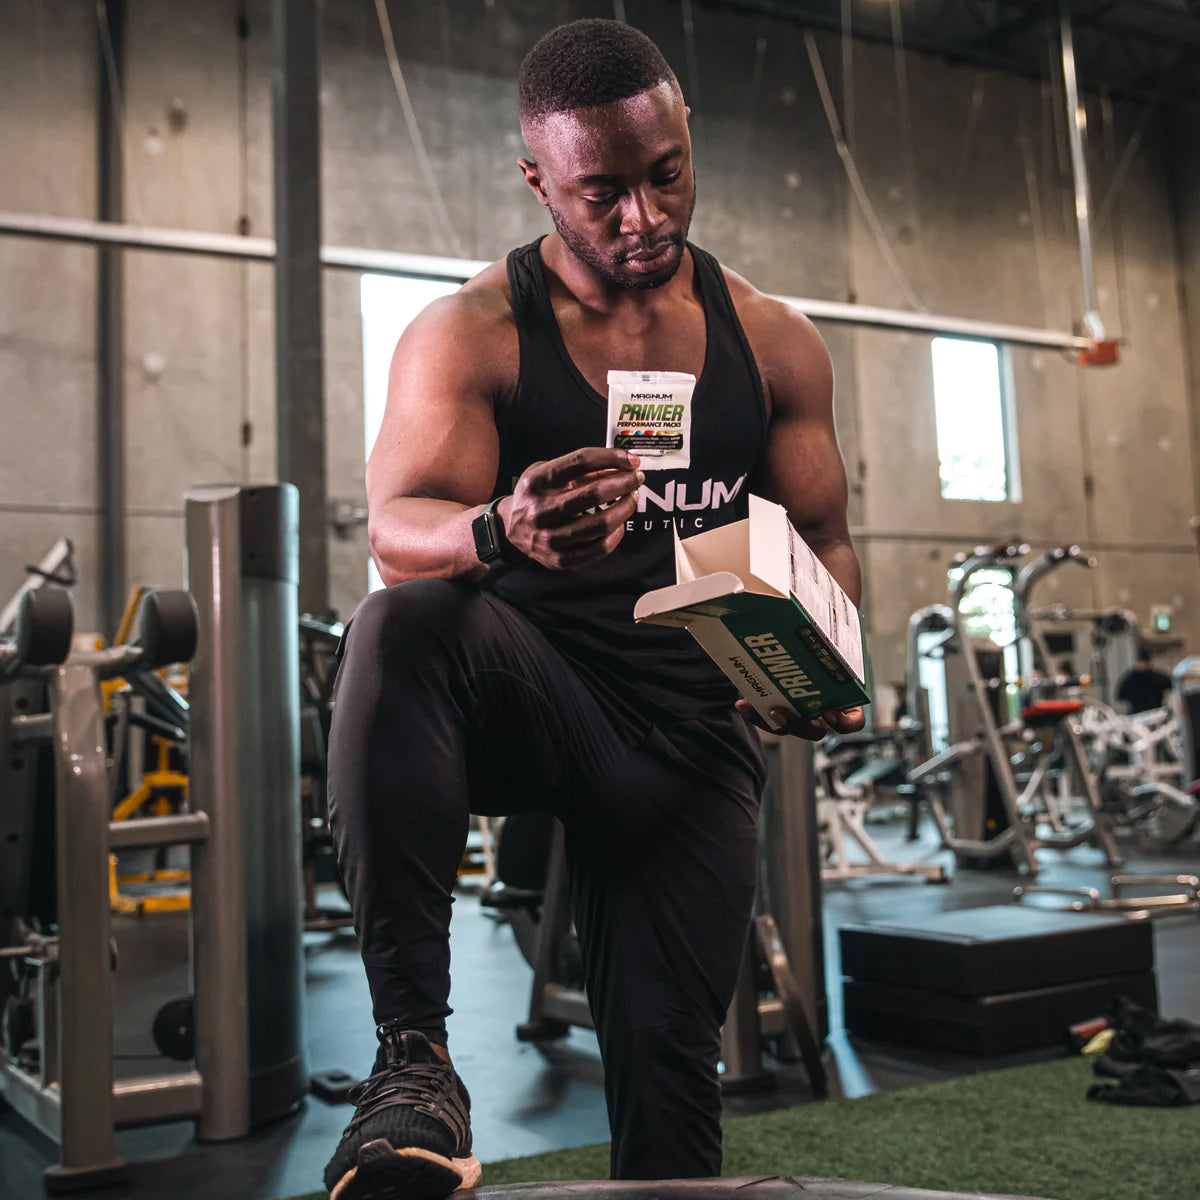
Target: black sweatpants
column 449, row 701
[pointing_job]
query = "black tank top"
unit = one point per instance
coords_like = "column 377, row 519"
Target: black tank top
column 644, row 675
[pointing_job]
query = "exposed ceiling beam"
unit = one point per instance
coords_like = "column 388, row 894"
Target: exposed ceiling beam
column 805, row 14
column 1034, row 15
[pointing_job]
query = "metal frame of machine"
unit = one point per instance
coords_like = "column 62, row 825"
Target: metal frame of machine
column 981, row 757
column 242, row 831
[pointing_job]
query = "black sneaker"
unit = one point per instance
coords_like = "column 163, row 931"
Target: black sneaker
column 410, row 1138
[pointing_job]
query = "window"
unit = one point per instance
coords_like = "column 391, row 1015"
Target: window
column 975, row 433
column 389, row 303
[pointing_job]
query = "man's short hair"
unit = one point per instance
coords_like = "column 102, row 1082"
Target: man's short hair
column 585, row 64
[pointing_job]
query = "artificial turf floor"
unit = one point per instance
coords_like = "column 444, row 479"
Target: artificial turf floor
column 1027, row 1131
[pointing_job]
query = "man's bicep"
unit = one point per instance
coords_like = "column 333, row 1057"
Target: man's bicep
column 438, row 436
column 803, row 468
column 803, row 471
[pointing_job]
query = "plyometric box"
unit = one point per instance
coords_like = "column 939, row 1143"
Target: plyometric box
column 991, row 980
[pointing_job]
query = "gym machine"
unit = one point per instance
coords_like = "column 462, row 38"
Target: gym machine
column 988, row 744
column 1178, row 813
column 1186, row 700
column 1035, row 664
column 56, row 1071
column 1113, row 638
column 56, row 567
column 954, row 681
column 1136, row 759
column 244, row 762
column 318, row 669
column 847, row 791
column 1139, row 907
column 780, row 1000
column 242, row 828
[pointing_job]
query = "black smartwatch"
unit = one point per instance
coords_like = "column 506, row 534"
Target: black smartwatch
column 491, row 546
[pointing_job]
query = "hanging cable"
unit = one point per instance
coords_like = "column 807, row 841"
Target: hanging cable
column 1035, row 221
column 619, row 11
column 1109, row 138
column 756, row 79
column 848, row 122
column 134, row 193
column 1105, row 209
column 693, row 64
column 901, row 69
column 1059, row 118
column 968, row 141
column 414, row 131
column 856, row 183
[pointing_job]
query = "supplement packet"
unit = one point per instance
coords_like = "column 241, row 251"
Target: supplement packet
column 650, row 414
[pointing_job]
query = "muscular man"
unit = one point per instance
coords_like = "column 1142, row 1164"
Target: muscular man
column 477, row 683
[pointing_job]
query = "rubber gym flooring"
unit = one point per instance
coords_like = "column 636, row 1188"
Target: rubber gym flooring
column 525, row 1100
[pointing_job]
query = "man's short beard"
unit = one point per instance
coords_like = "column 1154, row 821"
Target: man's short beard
column 610, row 273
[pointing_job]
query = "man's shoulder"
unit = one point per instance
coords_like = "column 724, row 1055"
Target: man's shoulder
column 767, row 318
column 786, row 344
column 486, row 296
column 478, row 314
column 469, row 333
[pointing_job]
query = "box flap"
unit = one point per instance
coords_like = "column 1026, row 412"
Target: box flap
column 662, row 606
column 769, row 558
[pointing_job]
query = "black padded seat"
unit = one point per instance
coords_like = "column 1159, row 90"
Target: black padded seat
column 768, row 1188
column 999, row 948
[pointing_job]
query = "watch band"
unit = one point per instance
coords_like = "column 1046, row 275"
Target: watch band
column 488, row 530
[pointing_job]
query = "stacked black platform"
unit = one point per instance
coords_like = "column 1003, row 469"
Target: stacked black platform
column 991, row 980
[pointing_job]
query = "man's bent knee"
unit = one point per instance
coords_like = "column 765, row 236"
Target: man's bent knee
column 412, row 619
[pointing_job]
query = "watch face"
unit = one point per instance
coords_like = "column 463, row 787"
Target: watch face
column 486, row 549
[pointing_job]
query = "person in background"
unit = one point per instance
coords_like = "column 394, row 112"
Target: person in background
column 1142, row 687
column 1066, row 673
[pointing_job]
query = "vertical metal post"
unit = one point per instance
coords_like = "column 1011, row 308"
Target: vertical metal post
column 110, row 326
column 299, row 369
column 218, row 873
column 244, row 748
column 85, row 987
column 790, row 883
column 741, row 1039
column 1076, row 129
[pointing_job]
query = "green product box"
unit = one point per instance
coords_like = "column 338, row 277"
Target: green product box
column 769, row 614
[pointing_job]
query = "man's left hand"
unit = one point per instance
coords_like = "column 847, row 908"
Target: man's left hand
column 832, row 720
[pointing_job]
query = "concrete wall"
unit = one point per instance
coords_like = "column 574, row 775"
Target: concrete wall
column 47, row 291
column 1106, row 456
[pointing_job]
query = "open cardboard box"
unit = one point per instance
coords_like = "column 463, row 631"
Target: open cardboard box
column 769, row 614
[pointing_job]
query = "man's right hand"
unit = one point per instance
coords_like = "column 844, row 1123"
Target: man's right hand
column 554, row 515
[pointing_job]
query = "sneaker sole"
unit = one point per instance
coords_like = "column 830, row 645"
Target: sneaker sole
column 408, row 1174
